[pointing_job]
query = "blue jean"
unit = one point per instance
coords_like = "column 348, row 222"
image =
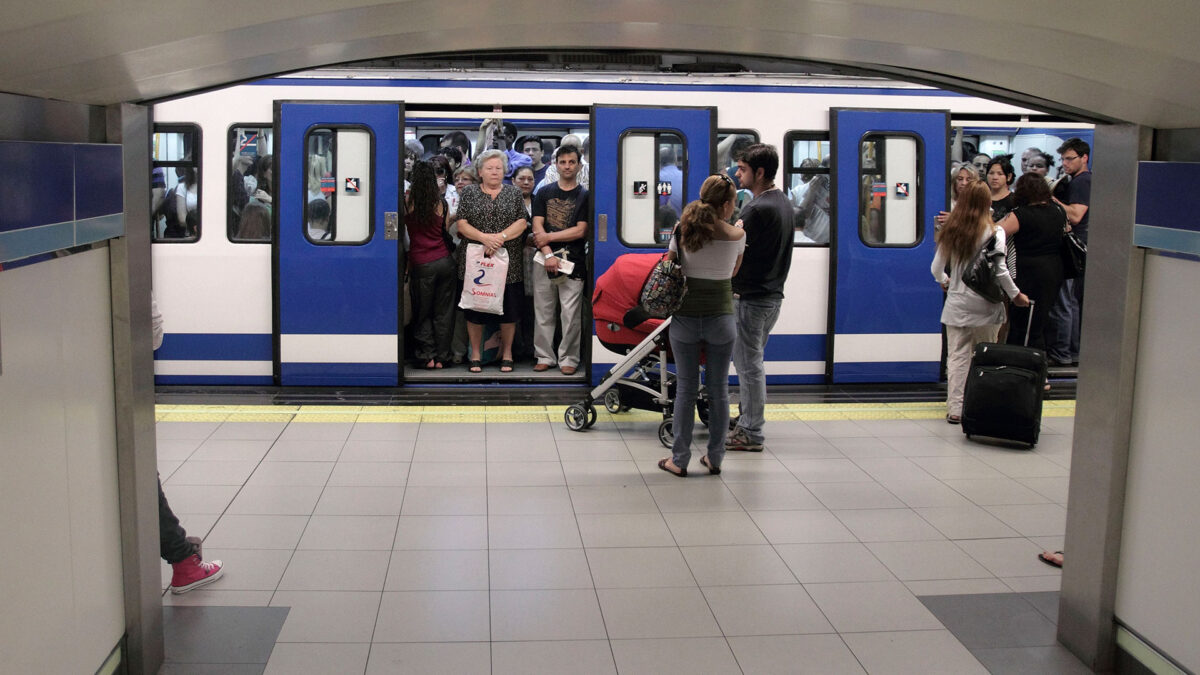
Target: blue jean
column 1064, row 322
column 716, row 335
column 755, row 319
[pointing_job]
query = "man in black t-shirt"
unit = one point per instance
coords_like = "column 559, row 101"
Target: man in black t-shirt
column 560, row 225
column 758, row 286
column 1067, row 312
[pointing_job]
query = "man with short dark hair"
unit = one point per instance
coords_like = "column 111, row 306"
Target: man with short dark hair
column 532, row 147
column 758, row 286
column 1067, row 312
column 560, row 225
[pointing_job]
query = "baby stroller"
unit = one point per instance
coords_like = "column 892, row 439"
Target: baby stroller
column 641, row 378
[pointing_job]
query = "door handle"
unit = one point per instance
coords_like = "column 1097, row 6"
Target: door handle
column 602, row 227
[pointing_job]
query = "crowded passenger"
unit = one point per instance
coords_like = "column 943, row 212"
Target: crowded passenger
column 758, row 287
column 552, row 172
column 969, row 318
column 561, row 213
column 1074, row 198
column 180, row 206
column 238, row 196
column 964, row 175
column 710, row 251
column 670, row 174
column 980, row 161
column 1027, row 156
column 492, row 214
column 317, row 216
column 531, row 146
column 447, row 191
column 431, row 268
column 523, row 179
column 1036, row 227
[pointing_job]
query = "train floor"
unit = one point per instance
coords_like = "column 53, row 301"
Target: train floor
column 867, row 537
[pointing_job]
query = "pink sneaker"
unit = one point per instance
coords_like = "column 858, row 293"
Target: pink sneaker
column 192, row 572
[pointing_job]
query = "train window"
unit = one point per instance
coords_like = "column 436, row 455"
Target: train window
column 251, row 183
column 175, row 183
column 730, row 143
column 889, row 190
column 339, row 174
column 653, row 185
column 806, row 177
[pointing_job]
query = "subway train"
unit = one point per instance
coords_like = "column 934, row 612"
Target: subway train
column 250, row 296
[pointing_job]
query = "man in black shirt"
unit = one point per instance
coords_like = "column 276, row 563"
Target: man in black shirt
column 1075, row 199
column 758, row 286
column 560, row 224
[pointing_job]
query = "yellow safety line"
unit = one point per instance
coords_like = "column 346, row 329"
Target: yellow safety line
column 499, row 414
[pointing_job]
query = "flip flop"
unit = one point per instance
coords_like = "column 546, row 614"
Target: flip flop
column 953, row 419
column 506, row 366
column 1049, row 560
column 713, row 470
column 662, row 464
column 476, row 366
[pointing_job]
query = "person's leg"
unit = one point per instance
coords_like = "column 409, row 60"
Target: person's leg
column 719, row 338
column 685, row 348
column 570, row 296
column 1077, row 294
column 443, row 309
column 958, row 361
column 421, row 282
column 173, row 545
column 1062, row 318
column 459, row 343
column 507, row 330
column 545, row 307
column 755, row 319
column 475, row 336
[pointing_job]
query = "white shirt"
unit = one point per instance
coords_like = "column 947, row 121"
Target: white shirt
column 964, row 307
column 715, row 260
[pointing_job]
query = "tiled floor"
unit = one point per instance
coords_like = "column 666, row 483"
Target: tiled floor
column 504, row 545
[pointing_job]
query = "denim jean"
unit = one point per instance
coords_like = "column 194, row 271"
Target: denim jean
column 173, row 545
column 1065, row 319
column 755, row 319
column 715, row 334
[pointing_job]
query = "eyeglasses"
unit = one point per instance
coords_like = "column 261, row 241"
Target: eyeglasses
column 725, row 178
column 1070, row 159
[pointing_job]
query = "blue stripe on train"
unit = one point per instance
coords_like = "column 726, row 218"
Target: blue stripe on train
column 214, row 379
column 341, row 374
column 887, row 371
column 216, row 347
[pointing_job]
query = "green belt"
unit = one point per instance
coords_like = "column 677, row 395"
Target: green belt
column 707, row 297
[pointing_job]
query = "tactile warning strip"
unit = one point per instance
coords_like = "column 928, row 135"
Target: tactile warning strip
column 499, row 414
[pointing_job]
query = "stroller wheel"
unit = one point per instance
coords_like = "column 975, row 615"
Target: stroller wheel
column 612, row 401
column 666, row 434
column 576, row 417
column 591, row 415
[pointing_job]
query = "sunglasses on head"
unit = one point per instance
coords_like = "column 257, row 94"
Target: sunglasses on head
column 725, row 178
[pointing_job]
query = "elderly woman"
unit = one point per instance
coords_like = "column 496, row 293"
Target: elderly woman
column 492, row 214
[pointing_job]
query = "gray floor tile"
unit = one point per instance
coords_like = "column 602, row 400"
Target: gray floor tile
column 737, row 565
column 913, row 653
column 539, row 569
column 1045, row 602
column 957, row 586
column 572, row 614
column 765, row 610
column 657, row 567
column 709, row 655
column 451, row 658
column 438, row 571
column 987, row 621
column 794, row 655
column 656, row 612
column 227, row 635
column 212, row 596
column 297, row 658
column 433, row 616
column 212, row 669
column 1050, row 660
column 336, row 571
column 552, row 658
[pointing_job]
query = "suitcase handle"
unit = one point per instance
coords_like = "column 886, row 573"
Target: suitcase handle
column 1029, row 322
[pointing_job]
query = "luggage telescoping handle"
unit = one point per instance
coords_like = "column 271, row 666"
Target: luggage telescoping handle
column 1029, row 322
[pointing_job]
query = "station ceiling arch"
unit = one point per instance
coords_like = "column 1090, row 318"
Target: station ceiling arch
column 1107, row 59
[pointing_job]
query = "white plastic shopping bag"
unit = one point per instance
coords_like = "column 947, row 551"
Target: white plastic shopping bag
column 483, row 280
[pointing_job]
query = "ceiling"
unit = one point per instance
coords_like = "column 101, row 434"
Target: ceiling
column 1098, row 59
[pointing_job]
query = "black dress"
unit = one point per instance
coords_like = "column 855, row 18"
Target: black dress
column 1039, row 270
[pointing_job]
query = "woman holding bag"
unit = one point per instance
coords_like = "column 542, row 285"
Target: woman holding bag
column 1036, row 227
column 969, row 317
column 492, row 215
column 710, row 251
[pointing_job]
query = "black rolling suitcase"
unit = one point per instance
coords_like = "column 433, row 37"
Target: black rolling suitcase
column 1003, row 397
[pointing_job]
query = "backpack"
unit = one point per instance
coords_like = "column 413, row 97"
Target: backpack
column 980, row 274
column 663, row 292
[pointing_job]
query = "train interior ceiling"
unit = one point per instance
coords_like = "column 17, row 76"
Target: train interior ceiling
column 228, row 298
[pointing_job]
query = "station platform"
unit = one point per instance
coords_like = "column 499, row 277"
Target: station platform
column 869, row 536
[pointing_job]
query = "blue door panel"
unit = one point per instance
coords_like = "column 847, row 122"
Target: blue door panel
column 338, row 290
column 882, row 293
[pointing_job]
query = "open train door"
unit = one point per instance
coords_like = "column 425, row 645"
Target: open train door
column 647, row 162
column 337, row 265
column 889, row 179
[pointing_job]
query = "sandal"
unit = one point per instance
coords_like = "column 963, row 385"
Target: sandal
column 713, row 470
column 953, row 419
column 430, row 365
column 476, row 366
column 1052, row 559
column 506, row 365
column 662, row 464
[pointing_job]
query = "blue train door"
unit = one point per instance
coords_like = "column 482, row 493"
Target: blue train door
column 890, row 177
column 647, row 162
column 337, row 266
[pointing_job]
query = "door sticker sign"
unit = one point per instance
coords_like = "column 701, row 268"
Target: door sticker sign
column 352, row 185
column 664, row 188
column 641, row 188
column 901, row 189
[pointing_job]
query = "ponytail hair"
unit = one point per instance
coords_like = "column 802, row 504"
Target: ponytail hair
column 701, row 219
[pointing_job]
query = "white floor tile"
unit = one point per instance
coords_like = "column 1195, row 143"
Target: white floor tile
column 794, row 655
column 913, row 653
column 829, row 563
column 925, row 560
column 377, row 474
column 305, row 451
column 656, row 567
column 444, row 501
column 624, row 530
column 887, row 525
column 335, row 571
column 722, row 528
column 1014, row 557
column 433, row 616
column 327, row 616
column 737, row 565
column 552, row 658
column 528, row 501
column 765, row 610
column 625, row 498
column 965, row 522
column 761, row 496
column 709, row 655
column 360, row 501
column 227, row 450
column 656, row 613
column 377, row 451
column 555, row 531
column 854, row 496
column 441, row 532
column 801, row 527
column 451, row 658
column 437, row 571
column 297, row 658
column 871, row 606
column 546, row 615
column 539, row 569
column 276, row 500
column 350, row 533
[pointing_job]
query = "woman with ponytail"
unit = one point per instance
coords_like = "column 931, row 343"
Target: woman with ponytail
column 710, row 251
column 969, row 317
